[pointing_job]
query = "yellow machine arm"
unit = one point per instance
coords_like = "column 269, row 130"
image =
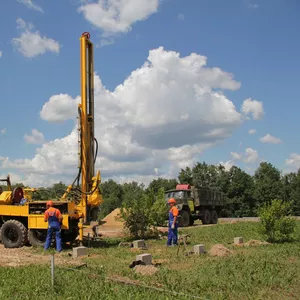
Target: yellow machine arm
column 91, row 196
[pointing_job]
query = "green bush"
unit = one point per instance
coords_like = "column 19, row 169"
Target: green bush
column 159, row 210
column 276, row 223
column 142, row 212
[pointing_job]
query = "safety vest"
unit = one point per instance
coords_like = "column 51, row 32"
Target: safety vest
column 173, row 212
column 52, row 215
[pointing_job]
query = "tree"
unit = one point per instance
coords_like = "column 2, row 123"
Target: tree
column 112, row 194
column 240, row 193
column 186, row 176
column 268, row 184
column 292, row 191
column 166, row 184
column 58, row 189
column 223, row 179
column 205, row 175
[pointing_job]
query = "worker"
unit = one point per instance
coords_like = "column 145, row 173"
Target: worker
column 54, row 218
column 173, row 223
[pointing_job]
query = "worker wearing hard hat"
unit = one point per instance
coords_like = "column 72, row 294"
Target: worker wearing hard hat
column 173, row 223
column 54, row 218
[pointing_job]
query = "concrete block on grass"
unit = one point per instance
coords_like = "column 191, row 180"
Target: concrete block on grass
column 199, row 249
column 80, row 251
column 139, row 244
column 238, row 240
column 145, row 258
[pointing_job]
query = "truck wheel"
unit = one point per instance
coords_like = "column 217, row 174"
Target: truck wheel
column 184, row 219
column 37, row 238
column 206, row 219
column 214, row 217
column 13, row 234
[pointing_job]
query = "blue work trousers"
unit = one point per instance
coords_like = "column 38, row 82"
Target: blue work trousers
column 172, row 236
column 50, row 232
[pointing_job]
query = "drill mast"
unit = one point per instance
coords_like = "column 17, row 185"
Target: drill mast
column 86, row 113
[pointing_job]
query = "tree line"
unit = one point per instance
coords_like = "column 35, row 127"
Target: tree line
column 244, row 193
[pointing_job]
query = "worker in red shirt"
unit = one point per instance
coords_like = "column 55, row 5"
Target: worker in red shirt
column 54, row 218
column 173, row 223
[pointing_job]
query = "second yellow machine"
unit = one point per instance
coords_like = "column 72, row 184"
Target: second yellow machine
column 22, row 221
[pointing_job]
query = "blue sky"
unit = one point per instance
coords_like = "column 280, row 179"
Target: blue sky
column 257, row 41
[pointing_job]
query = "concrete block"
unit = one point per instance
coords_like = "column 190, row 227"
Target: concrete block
column 238, row 240
column 80, row 251
column 199, row 249
column 139, row 244
column 145, row 258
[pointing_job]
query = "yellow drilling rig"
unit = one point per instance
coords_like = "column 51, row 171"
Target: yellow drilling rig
column 21, row 219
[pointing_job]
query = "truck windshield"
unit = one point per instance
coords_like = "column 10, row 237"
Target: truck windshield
column 174, row 194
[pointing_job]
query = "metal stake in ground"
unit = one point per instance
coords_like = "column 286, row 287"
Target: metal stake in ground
column 52, row 269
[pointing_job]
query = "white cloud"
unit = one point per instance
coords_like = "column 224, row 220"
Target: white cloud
column 1, row 54
column 117, row 16
column 227, row 164
column 15, row 178
column 181, row 17
column 251, row 156
column 31, row 5
column 293, row 161
column 253, row 107
column 164, row 115
column 235, row 156
column 59, row 108
column 3, row 131
column 31, row 43
column 35, row 138
column 252, row 131
column 270, row 139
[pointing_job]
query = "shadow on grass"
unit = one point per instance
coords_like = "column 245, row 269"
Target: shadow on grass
column 101, row 243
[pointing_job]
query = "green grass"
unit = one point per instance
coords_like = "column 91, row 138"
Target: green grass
column 258, row 272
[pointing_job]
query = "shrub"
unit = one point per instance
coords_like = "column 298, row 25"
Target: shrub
column 143, row 212
column 276, row 223
column 159, row 210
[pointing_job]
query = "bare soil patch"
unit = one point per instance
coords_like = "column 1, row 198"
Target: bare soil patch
column 145, row 270
column 160, row 261
column 256, row 243
column 17, row 257
column 220, row 250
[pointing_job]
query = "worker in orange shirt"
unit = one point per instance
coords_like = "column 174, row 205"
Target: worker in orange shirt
column 173, row 223
column 54, row 218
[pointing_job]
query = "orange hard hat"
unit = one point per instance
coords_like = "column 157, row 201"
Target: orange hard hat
column 172, row 200
column 49, row 203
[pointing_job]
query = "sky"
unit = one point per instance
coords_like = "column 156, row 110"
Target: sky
column 176, row 83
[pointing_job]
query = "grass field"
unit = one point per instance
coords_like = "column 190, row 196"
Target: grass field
column 254, row 272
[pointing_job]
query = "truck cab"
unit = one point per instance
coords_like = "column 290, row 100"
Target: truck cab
column 196, row 203
column 184, row 197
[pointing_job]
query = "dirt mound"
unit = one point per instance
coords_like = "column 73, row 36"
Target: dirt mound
column 145, row 270
column 113, row 219
column 219, row 250
column 256, row 243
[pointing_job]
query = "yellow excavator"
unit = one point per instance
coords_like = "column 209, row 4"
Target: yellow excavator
column 21, row 218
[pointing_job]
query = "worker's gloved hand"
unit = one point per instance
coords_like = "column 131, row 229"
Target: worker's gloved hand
column 173, row 226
